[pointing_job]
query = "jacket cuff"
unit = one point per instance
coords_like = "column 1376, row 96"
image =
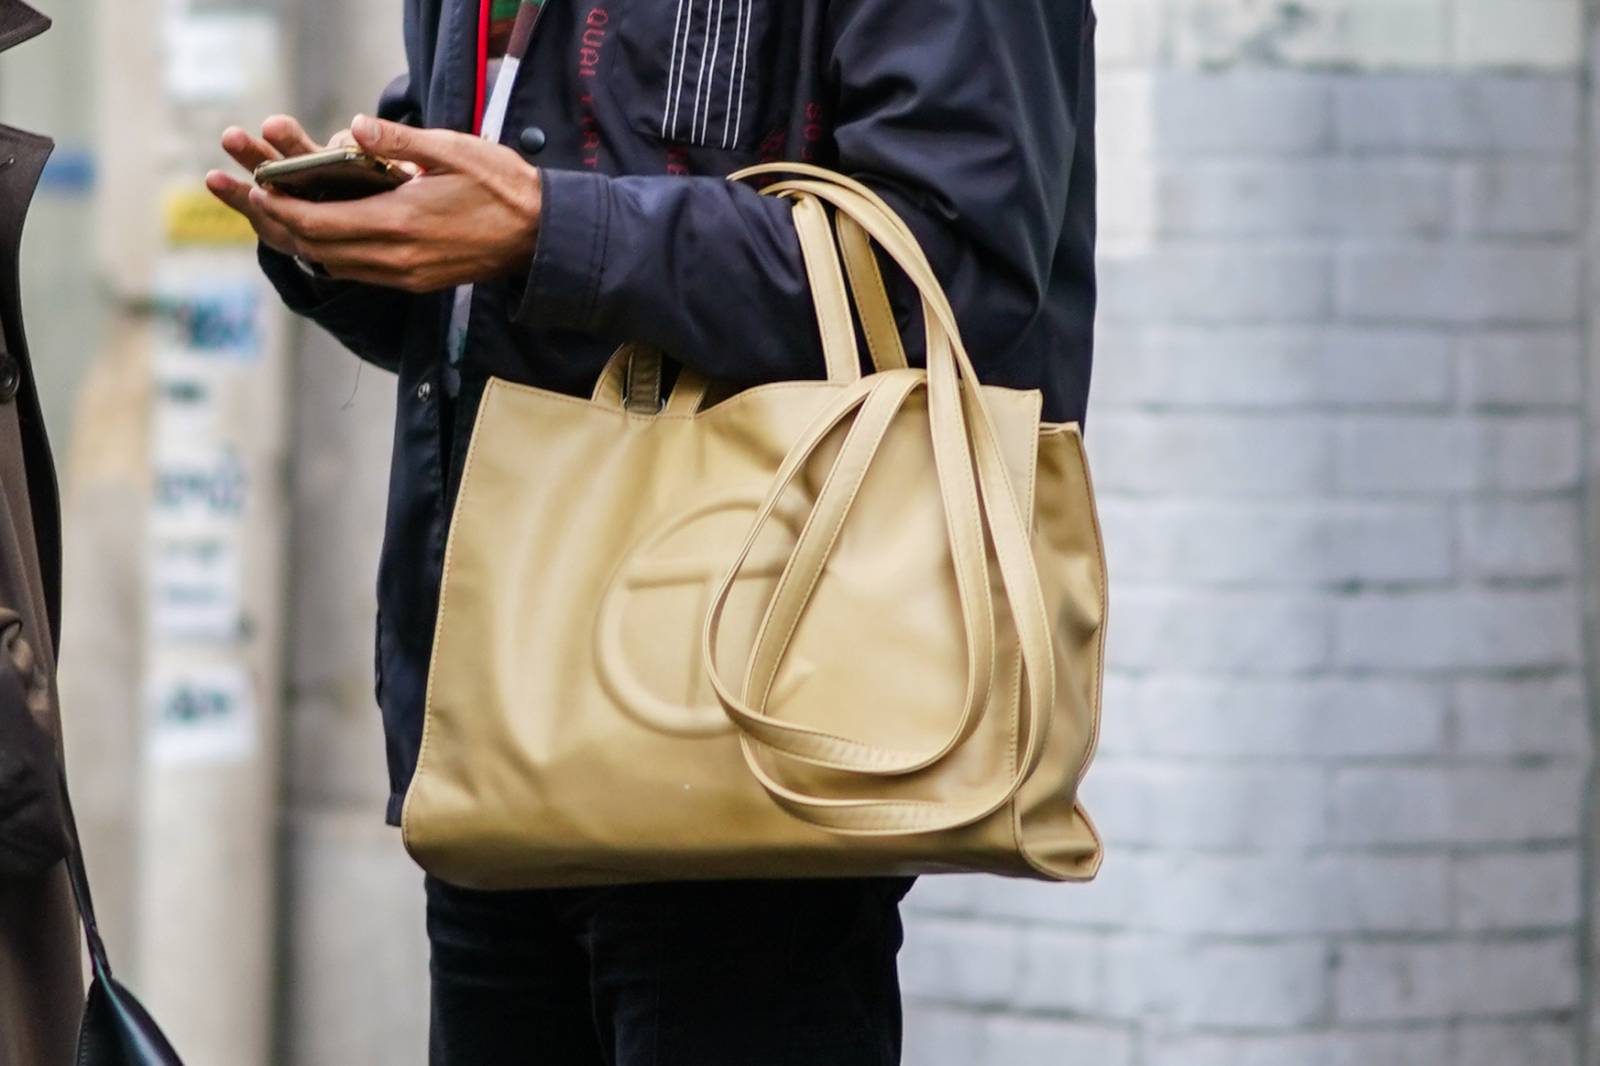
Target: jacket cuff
column 303, row 292
column 564, row 278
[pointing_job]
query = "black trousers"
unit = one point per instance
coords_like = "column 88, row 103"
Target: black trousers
column 747, row 973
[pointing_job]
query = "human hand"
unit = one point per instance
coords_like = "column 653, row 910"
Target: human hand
column 471, row 213
column 281, row 136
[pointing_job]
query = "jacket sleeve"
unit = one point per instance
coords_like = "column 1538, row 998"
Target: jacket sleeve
column 369, row 320
column 961, row 113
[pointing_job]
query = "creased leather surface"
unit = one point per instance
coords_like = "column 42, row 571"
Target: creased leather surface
column 574, row 734
column 19, row 22
column 118, row 1031
column 32, row 833
column 32, row 827
column 41, row 979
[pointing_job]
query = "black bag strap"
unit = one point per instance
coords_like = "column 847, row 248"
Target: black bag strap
column 79, row 877
column 116, row 1029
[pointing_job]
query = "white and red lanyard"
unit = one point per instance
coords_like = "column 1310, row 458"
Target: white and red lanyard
column 489, row 117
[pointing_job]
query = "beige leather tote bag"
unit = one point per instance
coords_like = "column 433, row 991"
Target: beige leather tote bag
column 819, row 628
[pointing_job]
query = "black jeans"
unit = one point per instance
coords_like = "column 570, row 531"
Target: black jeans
column 747, row 973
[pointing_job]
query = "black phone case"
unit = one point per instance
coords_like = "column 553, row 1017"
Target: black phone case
column 348, row 180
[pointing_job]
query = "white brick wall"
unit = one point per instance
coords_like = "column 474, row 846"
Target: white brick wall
column 1338, row 428
column 1460, row 35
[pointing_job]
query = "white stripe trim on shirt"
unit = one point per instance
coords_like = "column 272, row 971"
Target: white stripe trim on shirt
column 672, row 67
column 744, row 65
column 733, row 69
column 716, row 49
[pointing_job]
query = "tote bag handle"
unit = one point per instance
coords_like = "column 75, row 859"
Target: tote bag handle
column 975, row 487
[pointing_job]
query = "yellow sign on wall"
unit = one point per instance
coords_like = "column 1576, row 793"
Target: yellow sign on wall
column 193, row 216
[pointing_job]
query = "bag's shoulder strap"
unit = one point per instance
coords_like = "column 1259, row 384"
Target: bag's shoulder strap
column 79, row 877
column 965, row 443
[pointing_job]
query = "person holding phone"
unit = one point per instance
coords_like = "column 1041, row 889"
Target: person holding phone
column 566, row 194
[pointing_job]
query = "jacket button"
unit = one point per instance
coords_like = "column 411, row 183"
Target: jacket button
column 10, row 378
column 424, row 391
column 531, row 140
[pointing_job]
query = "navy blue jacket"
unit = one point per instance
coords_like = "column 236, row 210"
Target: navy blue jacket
column 974, row 118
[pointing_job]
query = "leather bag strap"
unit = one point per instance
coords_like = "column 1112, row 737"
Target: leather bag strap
column 631, row 381
column 797, row 582
column 960, row 423
column 872, row 297
column 633, row 375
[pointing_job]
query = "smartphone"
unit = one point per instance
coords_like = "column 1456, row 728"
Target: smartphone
column 331, row 174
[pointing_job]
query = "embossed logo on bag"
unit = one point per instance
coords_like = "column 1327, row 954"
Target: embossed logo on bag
column 659, row 596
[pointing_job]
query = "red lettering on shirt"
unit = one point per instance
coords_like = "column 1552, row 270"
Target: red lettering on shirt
column 812, row 132
column 771, row 150
column 591, row 48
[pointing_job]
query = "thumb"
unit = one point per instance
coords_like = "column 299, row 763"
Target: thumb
column 434, row 150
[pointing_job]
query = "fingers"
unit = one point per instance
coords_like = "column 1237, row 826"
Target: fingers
column 231, row 191
column 343, row 139
column 246, row 149
column 281, row 135
column 433, row 150
column 378, row 262
column 236, row 194
column 374, row 262
column 372, row 218
column 285, row 133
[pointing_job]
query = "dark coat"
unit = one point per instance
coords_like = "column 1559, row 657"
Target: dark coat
column 974, row 118
column 41, row 985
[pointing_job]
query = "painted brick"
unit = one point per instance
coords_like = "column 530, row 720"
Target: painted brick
column 1060, row 972
column 1226, row 283
column 1510, row 198
column 1409, row 33
column 970, row 963
column 1537, row 34
column 1338, row 432
column 1305, row 198
column 1516, row 1044
column 1279, row 895
column 1222, row 632
column 1126, row 209
column 1421, row 113
column 1520, row 718
column 1218, row 985
column 955, row 895
column 1428, row 455
column 1529, row 455
column 1458, row 284
column 1008, row 1042
column 1186, row 806
column 1328, row 718
column 1522, row 369
column 1403, row 982
column 1518, row 891
column 1472, row 630
column 1186, row 455
column 1129, row 885
column 941, row 1036
column 1343, row 1047
column 1124, row 105
column 1130, row 33
column 1305, row 544
column 1456, row 805
column 1272, row 367
column 1192, row 113
column 1380, row 34
column 1532, row 540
